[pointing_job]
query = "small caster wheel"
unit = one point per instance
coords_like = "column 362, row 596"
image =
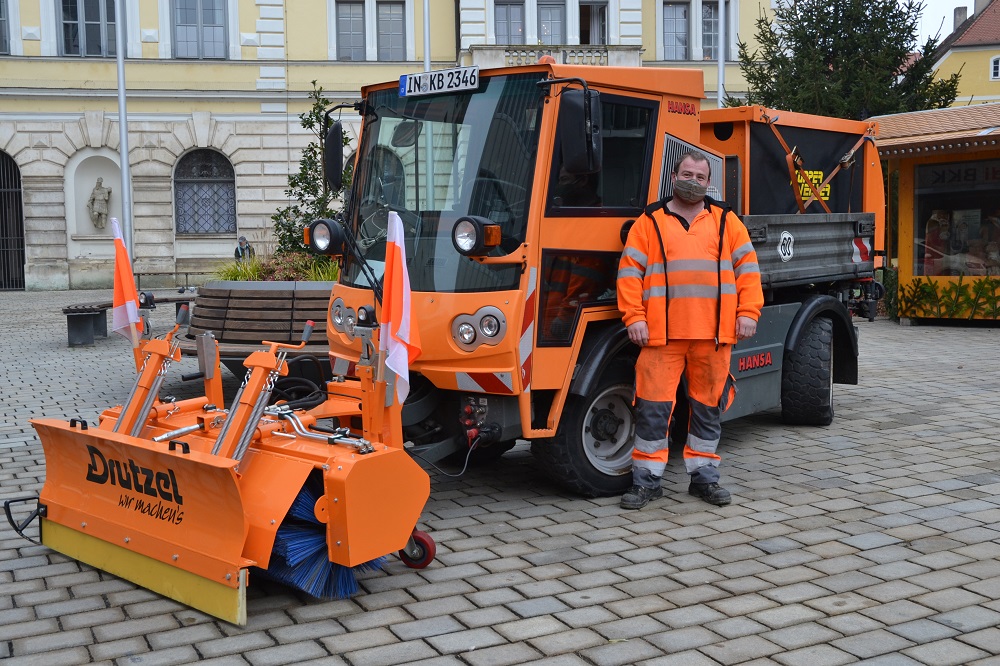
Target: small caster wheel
column 419, row 551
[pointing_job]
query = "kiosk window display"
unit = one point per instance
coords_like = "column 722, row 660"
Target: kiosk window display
column 957, row 219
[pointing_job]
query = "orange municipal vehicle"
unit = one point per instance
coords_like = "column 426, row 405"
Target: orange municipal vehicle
column 516, row 188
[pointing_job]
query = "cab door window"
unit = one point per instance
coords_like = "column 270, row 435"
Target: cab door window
column 619, row 188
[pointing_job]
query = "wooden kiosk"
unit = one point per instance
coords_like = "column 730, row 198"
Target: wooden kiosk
column 947, row 201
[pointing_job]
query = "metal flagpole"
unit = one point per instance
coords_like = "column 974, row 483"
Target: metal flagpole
column 126, row 171
column 427, row 35
column 722, row 53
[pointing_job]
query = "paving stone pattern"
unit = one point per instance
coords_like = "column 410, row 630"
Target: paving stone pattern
column 874, row 540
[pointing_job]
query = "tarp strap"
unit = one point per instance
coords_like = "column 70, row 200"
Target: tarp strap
column 794, row 162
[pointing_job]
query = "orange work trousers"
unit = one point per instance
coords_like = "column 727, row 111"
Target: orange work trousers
column 710, row 389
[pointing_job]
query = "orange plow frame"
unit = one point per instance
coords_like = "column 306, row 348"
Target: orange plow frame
column 162, row 510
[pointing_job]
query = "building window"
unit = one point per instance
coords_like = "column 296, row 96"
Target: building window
column 351, row 31
column 391, row 31
column 510, row 23
column 956, row 219
column 88, row 27
column 4, row 29
column 199, row 28
column 995, row 69
column 552, row 24
column 675, row 31
column 593, row 23
column 709, row 30
column 205, row 193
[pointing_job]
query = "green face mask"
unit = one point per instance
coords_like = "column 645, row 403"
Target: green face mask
column 689, row 191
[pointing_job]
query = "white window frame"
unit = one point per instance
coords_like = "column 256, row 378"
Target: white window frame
column 565, row 15
column 524, row 21
column 228, row 30
column 995, row 69
column 687, row 31
column 378, row 6
column 5, row 30
column 106, row 34
column 371, row 30
column 695, row 44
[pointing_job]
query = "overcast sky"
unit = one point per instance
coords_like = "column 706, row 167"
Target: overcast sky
column 934, row 11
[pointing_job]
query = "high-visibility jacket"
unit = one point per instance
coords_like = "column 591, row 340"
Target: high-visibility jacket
column 709, row 276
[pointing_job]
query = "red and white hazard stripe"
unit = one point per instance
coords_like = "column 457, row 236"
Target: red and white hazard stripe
column 862, row 251
column 526, row 343
column 485, row 382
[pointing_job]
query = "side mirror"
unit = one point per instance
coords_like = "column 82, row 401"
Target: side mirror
column 580, row 128
column 405, row 134
column 333, row 156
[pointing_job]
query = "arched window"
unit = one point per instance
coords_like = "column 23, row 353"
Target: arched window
column 205, row 193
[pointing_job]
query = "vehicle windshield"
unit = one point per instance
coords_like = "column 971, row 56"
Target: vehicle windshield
column 434, row 159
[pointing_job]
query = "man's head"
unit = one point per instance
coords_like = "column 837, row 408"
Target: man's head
column 243, row 241
column 691, row 176
column 100, row 181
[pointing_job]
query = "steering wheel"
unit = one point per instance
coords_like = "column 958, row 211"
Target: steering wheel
column 507, row 193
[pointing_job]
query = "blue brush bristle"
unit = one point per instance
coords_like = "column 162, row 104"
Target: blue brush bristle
column 300, row 557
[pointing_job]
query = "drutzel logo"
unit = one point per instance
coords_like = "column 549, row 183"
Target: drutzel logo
column 160, row 486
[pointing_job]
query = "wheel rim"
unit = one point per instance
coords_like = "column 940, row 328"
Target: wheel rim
column 608, row 429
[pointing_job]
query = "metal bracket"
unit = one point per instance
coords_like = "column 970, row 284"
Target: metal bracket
column 40, row 510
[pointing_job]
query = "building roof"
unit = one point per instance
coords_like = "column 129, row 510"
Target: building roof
column 939, row 130
column 983, row 29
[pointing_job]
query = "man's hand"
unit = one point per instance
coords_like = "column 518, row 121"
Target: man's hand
column 745, row 328
column 638, row 333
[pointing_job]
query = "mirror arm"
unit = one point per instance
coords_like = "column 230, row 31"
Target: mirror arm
column 355, row 250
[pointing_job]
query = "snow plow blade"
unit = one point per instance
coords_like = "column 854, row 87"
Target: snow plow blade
column 157, row 514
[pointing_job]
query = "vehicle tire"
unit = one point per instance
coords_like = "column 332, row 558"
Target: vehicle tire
column 807, row 377
column 591, row 453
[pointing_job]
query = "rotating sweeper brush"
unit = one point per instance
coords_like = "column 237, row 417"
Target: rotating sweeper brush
column 185, row 498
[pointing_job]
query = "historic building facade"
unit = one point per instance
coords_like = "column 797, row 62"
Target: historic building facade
column 214, row 93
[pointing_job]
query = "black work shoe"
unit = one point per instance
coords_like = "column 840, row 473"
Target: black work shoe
column 639, row 496
column 712, row 493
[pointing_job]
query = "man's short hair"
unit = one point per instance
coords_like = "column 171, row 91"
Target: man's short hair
column 695, row 155
column 243, row 239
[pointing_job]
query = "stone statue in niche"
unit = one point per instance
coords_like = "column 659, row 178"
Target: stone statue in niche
column 97, row 204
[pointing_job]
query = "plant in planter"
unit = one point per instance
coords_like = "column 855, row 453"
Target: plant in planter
column 311, row 199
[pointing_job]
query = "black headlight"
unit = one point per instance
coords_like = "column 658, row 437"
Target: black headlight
column 325, row 236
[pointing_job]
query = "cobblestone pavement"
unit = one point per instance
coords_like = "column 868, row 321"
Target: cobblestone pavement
column 873, row 540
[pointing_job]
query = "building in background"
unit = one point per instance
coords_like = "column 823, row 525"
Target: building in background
column 215, row 88
column 974, row 49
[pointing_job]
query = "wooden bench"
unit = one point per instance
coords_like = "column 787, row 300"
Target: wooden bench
column 243, row 314
column 85, row 321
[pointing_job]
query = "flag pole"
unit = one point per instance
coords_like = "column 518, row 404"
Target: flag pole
column 125, row 169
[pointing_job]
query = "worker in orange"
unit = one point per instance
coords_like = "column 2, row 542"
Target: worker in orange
column 689, row 289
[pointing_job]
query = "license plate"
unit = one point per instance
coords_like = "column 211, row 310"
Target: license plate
column 439, row 81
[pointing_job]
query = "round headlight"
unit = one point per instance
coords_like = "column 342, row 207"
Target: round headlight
column 321, row 237
column 338, row 315
column 465, row 235
column 350, row 323
column 489, row 325
column 466, row 334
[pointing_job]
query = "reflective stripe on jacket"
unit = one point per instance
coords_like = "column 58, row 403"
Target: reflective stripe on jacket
column 689, row 281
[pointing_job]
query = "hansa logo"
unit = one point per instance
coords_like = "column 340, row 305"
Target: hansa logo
column 683, row 108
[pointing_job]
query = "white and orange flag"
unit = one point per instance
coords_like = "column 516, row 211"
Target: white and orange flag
column 125, row 319
column 399, row 340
